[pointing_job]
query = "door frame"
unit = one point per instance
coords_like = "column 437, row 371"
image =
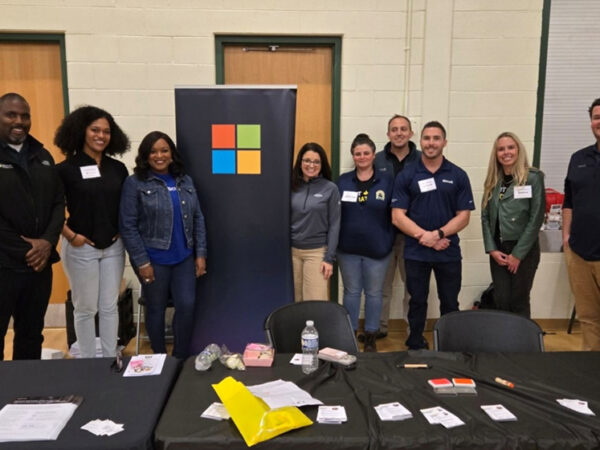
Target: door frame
column 335, row 43
column 336, row 81
column 46, row 37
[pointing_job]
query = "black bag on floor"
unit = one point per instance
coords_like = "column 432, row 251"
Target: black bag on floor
column 126, row 325
column 487, row 299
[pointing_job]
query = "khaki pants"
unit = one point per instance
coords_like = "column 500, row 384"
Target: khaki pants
column 584, row 277
column 308, row 281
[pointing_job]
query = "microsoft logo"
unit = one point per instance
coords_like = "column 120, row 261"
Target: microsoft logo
column 236, row 149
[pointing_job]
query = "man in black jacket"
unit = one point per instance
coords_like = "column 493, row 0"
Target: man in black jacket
column 31, row 219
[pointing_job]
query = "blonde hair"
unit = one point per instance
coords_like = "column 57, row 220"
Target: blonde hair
column 495, row 173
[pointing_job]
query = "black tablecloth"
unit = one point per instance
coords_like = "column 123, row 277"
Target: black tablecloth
column 539, row 380
column 135, row 402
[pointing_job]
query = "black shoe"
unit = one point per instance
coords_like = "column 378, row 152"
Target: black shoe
column 360, row 338
column 423, row 345
column 370, row 343
column 380, row 334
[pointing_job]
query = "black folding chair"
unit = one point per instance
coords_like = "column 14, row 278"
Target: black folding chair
column 285, row 324
column 487, row 331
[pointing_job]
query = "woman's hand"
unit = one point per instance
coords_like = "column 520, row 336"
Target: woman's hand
column 513, row 264
column 80, row 240
column 146, row 274
column 200, row 266
column 326, row 269
column 499, row 257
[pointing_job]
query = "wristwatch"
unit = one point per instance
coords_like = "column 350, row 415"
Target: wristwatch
column 440, row 233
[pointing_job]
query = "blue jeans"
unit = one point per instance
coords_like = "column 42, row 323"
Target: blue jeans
column 448, row 277
column 95, row 277
column 358, row 273
column 177, row 282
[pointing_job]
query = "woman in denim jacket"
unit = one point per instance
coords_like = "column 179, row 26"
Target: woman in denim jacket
column 514, row 204
column 163, row 230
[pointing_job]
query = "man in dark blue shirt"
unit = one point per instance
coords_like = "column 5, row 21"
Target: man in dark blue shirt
column 581, row 242
column 432, row 202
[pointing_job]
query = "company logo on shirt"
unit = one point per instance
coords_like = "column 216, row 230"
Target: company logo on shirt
column 447, row 181
column 236, row 149
column 380, row 195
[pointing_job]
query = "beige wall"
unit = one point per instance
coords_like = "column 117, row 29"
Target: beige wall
column 473, row 65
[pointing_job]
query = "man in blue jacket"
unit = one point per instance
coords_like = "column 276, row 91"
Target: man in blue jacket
column 32, row 212
column 395, row 156
column 432, row 202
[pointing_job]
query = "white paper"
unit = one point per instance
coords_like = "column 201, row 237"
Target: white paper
column 145, row 365
column 522, row 191
column 296, row 359
column 103, row 427
column 498, row 413
column 350, row 196
column 34, row 421
column 90, row 171
column 438, row 415
column 216, row 411
column 392, row 411
column 331, row 414
column 427, row 185
column 281, row 393
column 580, row 406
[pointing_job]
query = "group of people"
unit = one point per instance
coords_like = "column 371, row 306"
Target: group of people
column 399, row 210
column 154, row 215
column 428, row 201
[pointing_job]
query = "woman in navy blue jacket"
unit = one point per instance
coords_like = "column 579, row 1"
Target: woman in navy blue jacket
column 366, row 236
column 163, row 230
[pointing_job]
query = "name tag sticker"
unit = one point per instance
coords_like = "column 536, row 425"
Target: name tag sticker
column 350, row 196
column 91, row 171
column 522, row 191
column 427, row 185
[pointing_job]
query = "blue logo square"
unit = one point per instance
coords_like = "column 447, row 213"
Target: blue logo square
column 223, row 161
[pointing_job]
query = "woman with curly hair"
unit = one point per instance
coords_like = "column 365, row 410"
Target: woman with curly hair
column 315, row 223
column 513, row 209
column 92, row 252
column 163, row 229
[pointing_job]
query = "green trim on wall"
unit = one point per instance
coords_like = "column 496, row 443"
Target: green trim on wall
column 336, row 89
column 49, row 37
column 539, row 115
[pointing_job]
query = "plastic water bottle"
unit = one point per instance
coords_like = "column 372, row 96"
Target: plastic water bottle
column 310, row 347
column 205, row 359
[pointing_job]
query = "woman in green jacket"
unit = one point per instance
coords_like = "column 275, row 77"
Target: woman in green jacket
column 513, row 208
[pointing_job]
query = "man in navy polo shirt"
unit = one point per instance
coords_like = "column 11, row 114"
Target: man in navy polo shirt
column 581, row 241
column 432, row 201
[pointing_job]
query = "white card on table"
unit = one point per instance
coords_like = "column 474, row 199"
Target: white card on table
column 90, row 171
column 498, row 413
column 331, row 414
column 427, row 185
column 522, row 191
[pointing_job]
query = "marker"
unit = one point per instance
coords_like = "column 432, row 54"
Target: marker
column 504, row 382
column 416, row 366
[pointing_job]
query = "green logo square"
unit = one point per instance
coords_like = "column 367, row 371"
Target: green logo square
column 248, row 136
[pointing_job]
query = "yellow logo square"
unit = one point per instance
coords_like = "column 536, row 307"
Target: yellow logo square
column 248, row 162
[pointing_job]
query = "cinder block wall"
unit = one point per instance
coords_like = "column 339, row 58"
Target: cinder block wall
column 472, row 64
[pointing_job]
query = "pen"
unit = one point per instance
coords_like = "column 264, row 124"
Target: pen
column 504, row 382
column 416, row 366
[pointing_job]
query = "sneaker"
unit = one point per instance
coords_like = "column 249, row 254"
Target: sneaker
column 380, row 334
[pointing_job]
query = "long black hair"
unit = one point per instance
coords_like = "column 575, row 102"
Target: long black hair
column 297, row 177
column 142, row 168
column 70, row 135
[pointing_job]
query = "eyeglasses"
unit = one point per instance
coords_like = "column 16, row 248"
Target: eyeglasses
column 314, row 162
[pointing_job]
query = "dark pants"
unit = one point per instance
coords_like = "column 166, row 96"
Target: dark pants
column 179, row 282
column 448, row 276
column 511, row 292
column 25, row 297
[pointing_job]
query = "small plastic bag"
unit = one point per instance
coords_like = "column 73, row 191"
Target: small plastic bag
column 252, row 417
column 231, row 360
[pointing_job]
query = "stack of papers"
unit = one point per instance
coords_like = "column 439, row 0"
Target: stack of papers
column 103, row 427
column 438, row 415
column 216, row 411
column 499, row 413
column 442, row 386
column 279, row 393
column 464, row 386
column 580, row 406
column 145, row 365
column 332, row 414
column 392, row 411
